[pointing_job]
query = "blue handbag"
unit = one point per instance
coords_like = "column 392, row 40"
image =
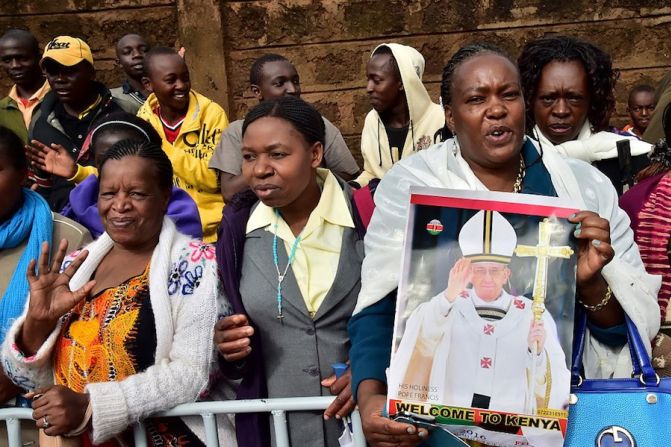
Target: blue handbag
column 618, row 412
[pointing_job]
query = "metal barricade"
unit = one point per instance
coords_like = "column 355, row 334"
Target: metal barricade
column 12, row 418
column 278, row 408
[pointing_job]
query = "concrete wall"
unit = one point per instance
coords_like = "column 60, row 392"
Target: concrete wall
column 330, row 40
column 99, row 22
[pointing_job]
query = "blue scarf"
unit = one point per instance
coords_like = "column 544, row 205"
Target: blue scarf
column 33, row 221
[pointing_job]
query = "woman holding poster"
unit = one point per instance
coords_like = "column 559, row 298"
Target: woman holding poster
column 484, row 108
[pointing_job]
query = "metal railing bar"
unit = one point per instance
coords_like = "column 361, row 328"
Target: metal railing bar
column 16, row 413
column 277, row 407
column 14, row 431
column 281, row 429
column 211, row 432
column 251, row 406
column 139, row 435
column 357, row 429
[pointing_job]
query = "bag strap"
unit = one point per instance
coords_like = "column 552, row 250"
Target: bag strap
column 642, row 367
column 637, row 347
column 632, row 353
column 579, row 335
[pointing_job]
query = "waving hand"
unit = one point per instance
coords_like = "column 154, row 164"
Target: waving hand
column 50, row 294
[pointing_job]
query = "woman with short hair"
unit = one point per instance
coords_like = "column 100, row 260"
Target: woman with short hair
column 125, row 331
column 290, row 252
column 569, row 88
column 82, row 205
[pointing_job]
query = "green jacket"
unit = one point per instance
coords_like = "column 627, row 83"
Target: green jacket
column 12, row 118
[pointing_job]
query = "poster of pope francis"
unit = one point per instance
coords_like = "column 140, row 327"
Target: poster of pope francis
column 484, row 317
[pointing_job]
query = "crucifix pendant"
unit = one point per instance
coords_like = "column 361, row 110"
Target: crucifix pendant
column 279, row 316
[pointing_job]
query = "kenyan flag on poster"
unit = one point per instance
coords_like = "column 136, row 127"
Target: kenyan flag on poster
column 434, row 227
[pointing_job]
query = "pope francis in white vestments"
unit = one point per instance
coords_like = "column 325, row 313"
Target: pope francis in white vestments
column 473, row 346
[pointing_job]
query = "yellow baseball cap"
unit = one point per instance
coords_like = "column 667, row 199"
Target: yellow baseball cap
column 67, row 51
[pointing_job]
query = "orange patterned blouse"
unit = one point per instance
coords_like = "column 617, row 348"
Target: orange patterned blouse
column 110, row 337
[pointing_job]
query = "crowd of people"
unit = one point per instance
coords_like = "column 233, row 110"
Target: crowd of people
column 154, row 254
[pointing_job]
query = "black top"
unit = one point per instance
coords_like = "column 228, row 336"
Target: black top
column 620, row 173
column 75, row 128
column 396, row 137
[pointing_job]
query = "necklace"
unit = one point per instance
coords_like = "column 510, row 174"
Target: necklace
column 281, row 276
column 517, row 186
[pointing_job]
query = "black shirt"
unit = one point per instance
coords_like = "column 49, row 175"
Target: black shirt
column 75, row 128
column 396, row 137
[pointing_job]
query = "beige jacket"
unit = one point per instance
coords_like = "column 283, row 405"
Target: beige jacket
column 426, row 118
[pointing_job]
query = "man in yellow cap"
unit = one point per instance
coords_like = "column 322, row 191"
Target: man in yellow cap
column 67, row 112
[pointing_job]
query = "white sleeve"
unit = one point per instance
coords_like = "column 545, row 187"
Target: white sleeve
column 424, row 330
column 30, row 372
column 433, row 316
column 381, row 267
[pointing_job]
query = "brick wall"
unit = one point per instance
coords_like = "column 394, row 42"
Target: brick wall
column 330, row 40
column 100, row 22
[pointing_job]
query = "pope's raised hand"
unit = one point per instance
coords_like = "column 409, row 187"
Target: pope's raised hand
column 461, row 275
column 50, row 294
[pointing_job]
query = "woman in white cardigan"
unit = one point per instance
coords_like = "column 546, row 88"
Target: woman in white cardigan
column 484, row 108
column 125, row 331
